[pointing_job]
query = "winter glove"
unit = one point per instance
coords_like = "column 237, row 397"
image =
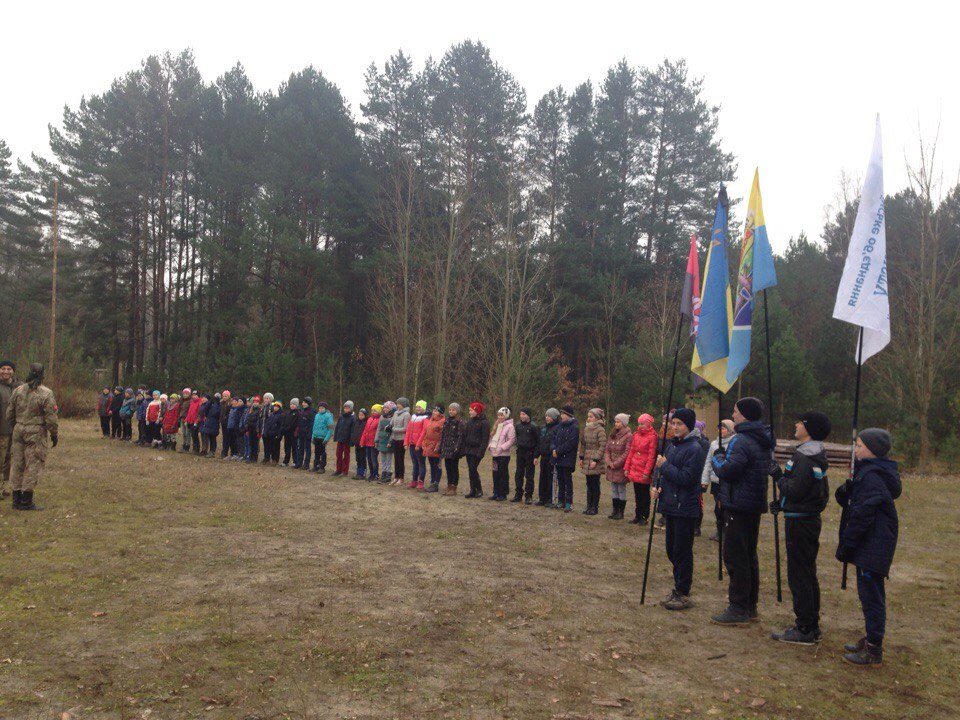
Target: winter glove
column 842, row 495
column 775, row 506
column 54, row 439
column 775, row 472
column 720, row 453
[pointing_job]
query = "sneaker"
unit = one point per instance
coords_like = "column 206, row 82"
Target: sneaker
column 541, row 503
column 432, row 487
column 679, row 602
column 516, row 498
column 732, row 617
column 795, row 637
column 419, row 485
column 670, row 596
column 857, row 646
column 412, row 484
column 528, row 501
column 869, row 655
column 568, row 508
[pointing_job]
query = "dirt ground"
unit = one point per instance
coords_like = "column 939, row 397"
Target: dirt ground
column 157, row 585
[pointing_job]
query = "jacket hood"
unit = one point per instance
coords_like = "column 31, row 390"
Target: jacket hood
column 692, row 435
column 887, row 469
column 759, row 431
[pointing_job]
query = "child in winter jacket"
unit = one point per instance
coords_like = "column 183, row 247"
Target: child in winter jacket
column 383, row 442
column 171, row 423
column 322, row 432
column 153, row 417
column 639, row 466
column 359, row 452
column 614, row 458
column 502, row 439
column 412, row 438
column 127, row 410
column 869, row 526
column 429, row 446
column 593, row 443
column 368, row 441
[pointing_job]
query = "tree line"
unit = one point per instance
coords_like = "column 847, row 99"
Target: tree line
column 453, row 239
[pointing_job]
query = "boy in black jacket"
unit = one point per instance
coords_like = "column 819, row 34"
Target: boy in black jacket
column 868, row 536
column 804, row 492
column 545, row 450
column 528, row 438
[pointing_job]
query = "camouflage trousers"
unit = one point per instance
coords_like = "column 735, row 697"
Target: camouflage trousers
column 4, row 461
column 28, row 455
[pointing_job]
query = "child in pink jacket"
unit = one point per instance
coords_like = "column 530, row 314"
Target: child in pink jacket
column 502, row 439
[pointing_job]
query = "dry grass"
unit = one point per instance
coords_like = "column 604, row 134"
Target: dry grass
column 157, row 585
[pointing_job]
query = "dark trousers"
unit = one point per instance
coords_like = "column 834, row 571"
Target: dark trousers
column 360, row 454
column 803, row 544
column 301, row 457
column 740, row 533
column 399, row 452
column 873, row 602
column 641, row 494
column 452, row 466
column 228, row 440
column 473, row 463
column 435, row 472
column 373, row 462
column 289, row 440
column 418, row 465
column 319, row 454
column 343, row 458
column 593, row 490
column 564, row 485
column 525, row 472
column 211, row 441
column 195, row 434
column 271, row 449
column 127, row 429
column 679, row 538
column 545, row 486
column 105, row 425
column 115, row 427
column 141, row 431
column 253, row 442
column 501, row 476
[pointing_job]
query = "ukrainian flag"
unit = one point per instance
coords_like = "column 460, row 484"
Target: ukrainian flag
column 755, row 273
column 712, row 348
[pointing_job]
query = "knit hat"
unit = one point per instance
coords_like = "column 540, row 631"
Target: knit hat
column 187, row 391
column 155, row 393
column 268, row 397
column 256, row 398
column 403, row 402
column 216, row 396
column 225, row 394
column 308, row 400
column 389, row 406
column 362, row 410
column 505, row 411
column 8, row 363
column 645, row 418
column 128, row 390
column 118, row 389
column 163, row 397
column 348, row 404
column 817, row 424
column 454, row 406
column 439, row 408
column 295, row 402
column 751, row 408
column 687, row 416
column 376, row 408
column 322, row 404
column 623, row 418
column 420, row 405
column 477, row 407
column 526, row 411
column 597, row 413
column 700, row 425
column 567, row 410
column 728, row 424
column 553, row 413
column 277, row 404
column 877, row 441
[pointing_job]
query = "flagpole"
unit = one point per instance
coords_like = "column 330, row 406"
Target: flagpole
column 720, row 519
column 776, row 516
column 853, row 438
column 663, row 441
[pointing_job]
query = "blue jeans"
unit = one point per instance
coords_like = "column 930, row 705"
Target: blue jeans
column 301, row 453
column 564, row 485
column 419, row 465
column 361, row 456
column 435, row 472
column 373, row 462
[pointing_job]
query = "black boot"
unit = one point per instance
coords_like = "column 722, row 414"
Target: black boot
column 17, row 499
column 26, row 501
column 869, row 655
column 616, row 508
column 517, row 496
column 619, row 511
column 587, row 510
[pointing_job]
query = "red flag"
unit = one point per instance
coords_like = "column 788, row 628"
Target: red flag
column 690, row 300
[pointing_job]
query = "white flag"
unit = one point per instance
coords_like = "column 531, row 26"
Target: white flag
column 862, row 295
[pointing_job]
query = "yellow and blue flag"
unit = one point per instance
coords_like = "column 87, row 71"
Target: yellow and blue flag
column 755, row 273
column 712, row 348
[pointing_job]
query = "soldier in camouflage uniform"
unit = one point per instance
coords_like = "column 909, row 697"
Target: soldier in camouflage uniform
column 32, row 413
column 7, row 385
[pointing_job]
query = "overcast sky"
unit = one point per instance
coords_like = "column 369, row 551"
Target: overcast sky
column 799, row 84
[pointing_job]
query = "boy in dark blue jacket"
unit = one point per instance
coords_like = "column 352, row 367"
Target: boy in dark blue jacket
column 678, row 493
column 743, row 466
column 565, row 443
column 301, row 456
column 868, row 536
